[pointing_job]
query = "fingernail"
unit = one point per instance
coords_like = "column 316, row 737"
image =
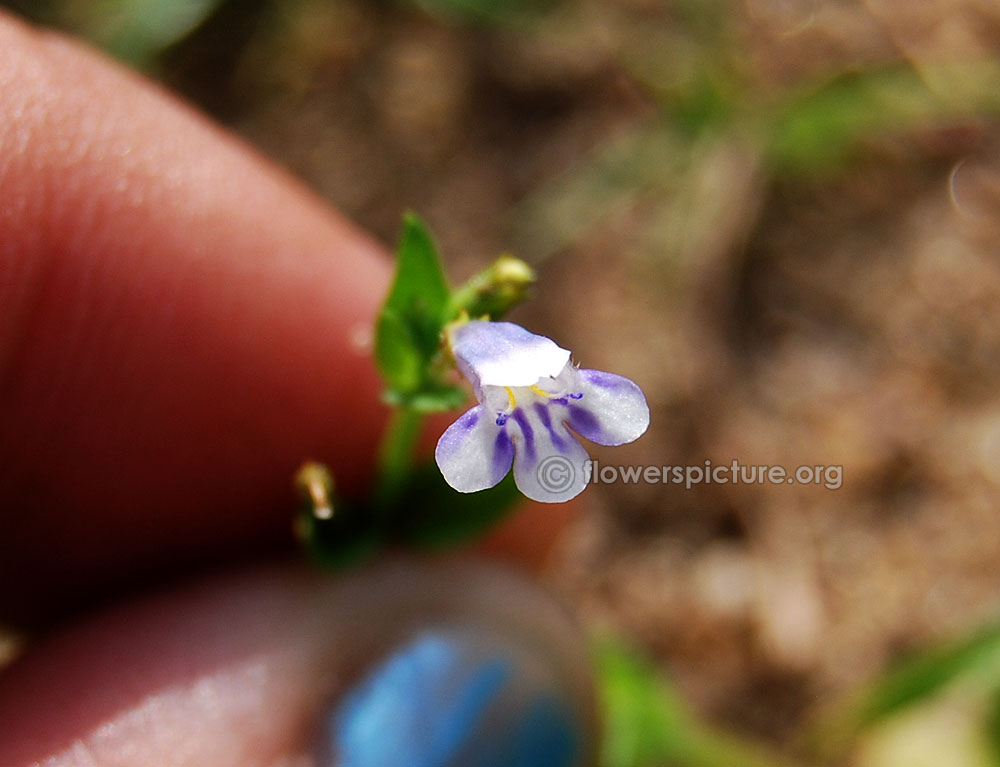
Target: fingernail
column 455, row 697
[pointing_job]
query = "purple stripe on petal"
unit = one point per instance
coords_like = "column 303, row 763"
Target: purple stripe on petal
column 543, row 416
column 585, row 423
column 469, row 420
column 473, row 454
column 605, row 380
column 456, row 435
column 527, row 431
column 503, row 453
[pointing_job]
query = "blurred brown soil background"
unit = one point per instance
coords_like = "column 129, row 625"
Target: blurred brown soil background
column 833, row 305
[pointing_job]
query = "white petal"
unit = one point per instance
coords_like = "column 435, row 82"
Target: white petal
column 505, row 354
column 612, row 411
column 474, row 453
column 550, row 464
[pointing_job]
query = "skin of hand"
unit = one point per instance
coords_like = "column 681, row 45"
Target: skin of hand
column 179, row 329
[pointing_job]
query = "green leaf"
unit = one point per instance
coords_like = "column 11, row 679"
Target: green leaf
column 817, row 129
column 644, row 720
column 647, row 723
column 485, row 11
column 396, row 352
column 419, row 294
column 992, row 726
column 927, row 674
column 136, row 31
column 409, row 326
column 913, row 681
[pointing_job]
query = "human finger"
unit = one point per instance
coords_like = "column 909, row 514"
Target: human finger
column 391, row 665
column 179, row 327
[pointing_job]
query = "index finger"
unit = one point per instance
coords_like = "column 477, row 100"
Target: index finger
column 178, row 330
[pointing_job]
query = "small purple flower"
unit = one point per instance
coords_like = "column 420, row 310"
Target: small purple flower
column 529, row 393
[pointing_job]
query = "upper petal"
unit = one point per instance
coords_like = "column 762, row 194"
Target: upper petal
column 505, row 354
column 550, row 464
column 474, row 453
column 612, row 410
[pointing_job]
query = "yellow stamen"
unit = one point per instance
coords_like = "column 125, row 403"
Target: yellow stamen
column 510, row 396
column 538, row 391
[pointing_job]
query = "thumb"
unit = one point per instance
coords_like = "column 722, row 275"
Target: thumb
column 391, row 666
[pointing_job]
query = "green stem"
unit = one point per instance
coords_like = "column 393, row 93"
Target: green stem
column 395, row 456
column 465, row 297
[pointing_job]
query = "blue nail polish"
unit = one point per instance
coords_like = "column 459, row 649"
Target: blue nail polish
column 453, row 699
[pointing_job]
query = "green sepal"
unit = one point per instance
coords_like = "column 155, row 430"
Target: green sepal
column 494, row 291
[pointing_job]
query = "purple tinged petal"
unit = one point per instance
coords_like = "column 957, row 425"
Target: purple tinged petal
column 552, row 474
column 612, row 411
column 474, row 453
column 505, row 354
